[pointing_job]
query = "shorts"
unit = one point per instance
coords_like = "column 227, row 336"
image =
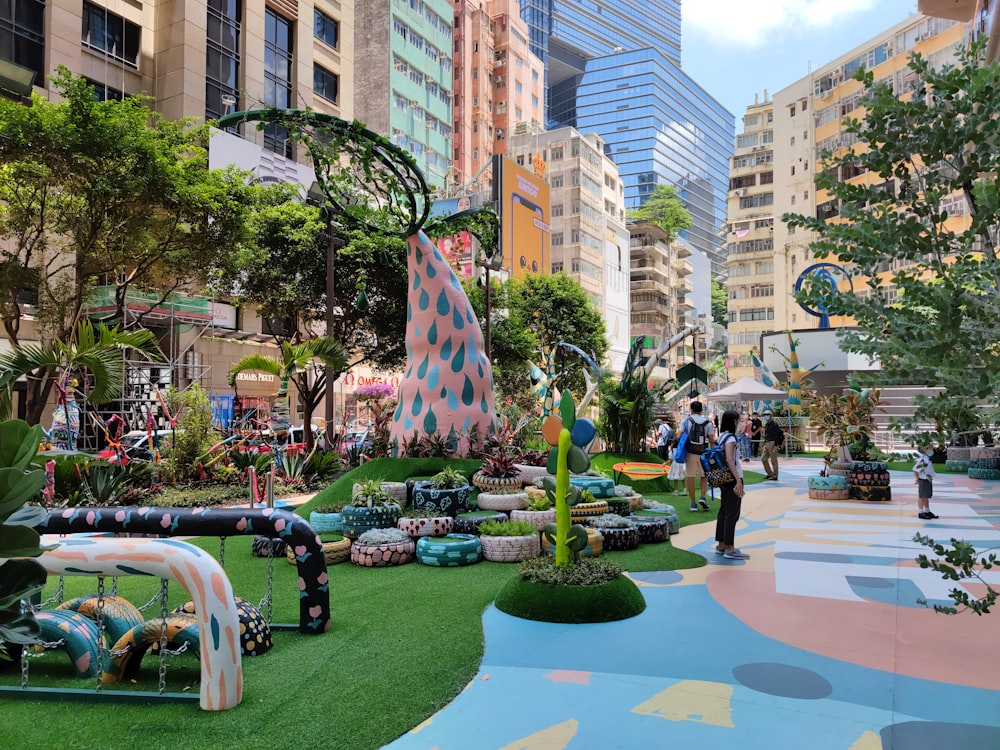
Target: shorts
column 692, row 465
column 925, row 489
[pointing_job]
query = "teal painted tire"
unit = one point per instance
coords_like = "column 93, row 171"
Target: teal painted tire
column 78, row 634
column 357, row 520
column 451, row 551
column 828, row 483
column 989, row 475
column 666, row 510
column 119, row 614
column 958, row 465
column 326, row 523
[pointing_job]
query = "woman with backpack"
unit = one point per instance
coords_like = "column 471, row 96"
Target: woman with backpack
column 732, row 492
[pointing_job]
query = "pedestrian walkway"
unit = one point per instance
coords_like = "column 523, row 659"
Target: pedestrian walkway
column 816, row 642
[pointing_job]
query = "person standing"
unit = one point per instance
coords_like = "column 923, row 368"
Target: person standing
column 923, row 472
column 755, row 427
column 664, row 437
column 731, row 494
column 773, row 439
column 700, row 437
column 743, row 437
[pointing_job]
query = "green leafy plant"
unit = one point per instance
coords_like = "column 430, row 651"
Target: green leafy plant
column 322, row 465
column 587, row 496
column 336, row 507
column 507, row 528
column 115, row 484
column 244, row 460
column 291, row 464
column 959, row 563
column 449, row 478
column 19, row 483
column 539, row 503
column 422, row 513
column 370, row 493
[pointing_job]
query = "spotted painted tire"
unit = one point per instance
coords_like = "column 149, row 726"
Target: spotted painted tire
column 580, row 512
column 382, row 555
column 958, row 465
column 255, row 633
column 451, row 551
column 620, row 507
column 468, row 523
column 594, row 548
column 421, row 527
column 265, row 546
column 867, row 493
column 841, row 494
column 990, row 475
column 828, row 483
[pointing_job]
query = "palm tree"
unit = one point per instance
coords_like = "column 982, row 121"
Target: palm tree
column 295, row 364
column 94, row 350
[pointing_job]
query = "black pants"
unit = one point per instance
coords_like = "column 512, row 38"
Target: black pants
column 755, row 447
column 729, row 515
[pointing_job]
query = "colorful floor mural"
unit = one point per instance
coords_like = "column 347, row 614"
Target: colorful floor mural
column 815, row 642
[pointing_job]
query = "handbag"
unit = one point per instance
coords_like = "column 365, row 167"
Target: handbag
column 680, row 454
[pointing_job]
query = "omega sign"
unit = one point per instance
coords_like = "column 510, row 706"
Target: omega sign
column 350, row 379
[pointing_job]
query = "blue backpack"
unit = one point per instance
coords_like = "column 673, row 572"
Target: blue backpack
column 713, row 461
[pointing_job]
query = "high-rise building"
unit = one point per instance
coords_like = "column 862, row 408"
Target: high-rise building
column 405, row 93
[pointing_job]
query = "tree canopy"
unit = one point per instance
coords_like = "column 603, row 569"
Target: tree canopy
column 720, row 303
column 919, row 234
column 665, row 209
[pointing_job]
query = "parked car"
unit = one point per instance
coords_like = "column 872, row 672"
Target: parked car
column 356, row 442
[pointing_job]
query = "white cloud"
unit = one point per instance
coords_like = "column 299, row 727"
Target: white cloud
column 754, row 23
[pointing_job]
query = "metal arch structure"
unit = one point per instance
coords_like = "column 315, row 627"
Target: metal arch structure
column 821, row 272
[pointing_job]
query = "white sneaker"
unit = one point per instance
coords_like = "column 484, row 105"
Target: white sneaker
column 735, row 554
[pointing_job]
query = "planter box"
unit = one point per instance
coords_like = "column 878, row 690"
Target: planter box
column 600, row 486
column 538, row 518
column 506, row 502
column 382, row 555
column 449, row 502
column 510, row 548
column 421, row 527
column 358, row 520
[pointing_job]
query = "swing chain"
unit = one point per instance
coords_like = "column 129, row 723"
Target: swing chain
column 265, row 603
column 222, row 551
column 163, row 636
column 114, row 586
column 25, row 607
column 57, row 597
column 102, row 649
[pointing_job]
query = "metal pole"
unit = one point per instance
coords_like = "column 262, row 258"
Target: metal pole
column 331, row 257
column 487, row 326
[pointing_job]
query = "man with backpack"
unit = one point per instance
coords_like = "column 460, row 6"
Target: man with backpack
column 774, row 439
column 700, row 436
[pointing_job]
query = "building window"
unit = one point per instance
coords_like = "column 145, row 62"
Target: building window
column 325, row 83
column 104, row 93
column 111, row 34
column 222, row 57
column 22, row 35
column 325, row 28
column 277, row 77
column 557, row 209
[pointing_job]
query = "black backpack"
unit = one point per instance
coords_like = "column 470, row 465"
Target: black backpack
column 696, row 442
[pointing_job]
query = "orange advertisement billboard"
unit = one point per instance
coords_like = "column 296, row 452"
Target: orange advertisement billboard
column 523, row 205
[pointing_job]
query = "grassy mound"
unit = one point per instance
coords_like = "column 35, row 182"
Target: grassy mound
column 617, row 600
column 388, row 470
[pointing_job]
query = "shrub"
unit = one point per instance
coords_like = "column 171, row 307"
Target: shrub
column 590, row 571
column 539, row 503
column 449, row 478
column 369, row 492
column 507, row 528
column 384, row 536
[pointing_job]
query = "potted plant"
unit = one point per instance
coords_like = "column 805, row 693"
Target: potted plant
column 380, row 548
column 327, row 518
column 498, row 475
column 540, row 511
column 429, row 522
column 619, row 532
column 447, row 491
column 469, row 523
column 371, row 507
column 588, row 507
column 509, row 541
column 531, row 465
column 451, row 551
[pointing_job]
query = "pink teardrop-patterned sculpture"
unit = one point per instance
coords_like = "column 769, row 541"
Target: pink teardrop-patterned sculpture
column 447, row 388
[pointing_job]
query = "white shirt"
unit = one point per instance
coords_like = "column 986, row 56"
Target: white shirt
column 924, row 468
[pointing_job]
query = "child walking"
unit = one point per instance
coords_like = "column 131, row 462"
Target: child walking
column 677, row 475
column 923, row 470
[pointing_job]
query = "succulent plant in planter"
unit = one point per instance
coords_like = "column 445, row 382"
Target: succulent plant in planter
column 509, row 541
column 539, row 513
column 447, row 492
column 379, row 548
column 371, row 507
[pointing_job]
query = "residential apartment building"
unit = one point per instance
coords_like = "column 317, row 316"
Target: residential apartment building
column 587, row 232
column 805, row 121
column 405, row 93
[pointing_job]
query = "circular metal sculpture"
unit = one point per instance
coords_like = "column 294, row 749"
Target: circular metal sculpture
column 825, row 274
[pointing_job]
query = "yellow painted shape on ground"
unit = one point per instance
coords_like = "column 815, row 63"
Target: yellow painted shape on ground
column 692, row 700
column 867, row 741
column 556, row 737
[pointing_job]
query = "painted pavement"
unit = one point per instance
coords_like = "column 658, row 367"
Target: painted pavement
column 816, row 642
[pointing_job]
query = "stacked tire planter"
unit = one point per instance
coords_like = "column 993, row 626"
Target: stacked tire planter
column 538, row 518
column 468, row 523
column 984, row 463
column 580, row 512
column 382, row 555
column 450, row 502
column 422, row 527
column 869, row 481
column 620, row 540
column 959, row 458
column 510, row 548
column 450, row 551
column 359, row 519
column 667, row 512
column 594, row 548
column 336, row 549
column 503, row 502
column 652, row 530
column 838, row 468
column 600, row 486
column 496, row 485
column 619, row 506
column 829, row 488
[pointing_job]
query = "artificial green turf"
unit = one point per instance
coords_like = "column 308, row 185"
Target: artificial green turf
column 908, row 466
column 616, row 600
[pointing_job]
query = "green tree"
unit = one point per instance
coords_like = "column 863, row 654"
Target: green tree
column 720, row 303
column 665, row 209
column 556, row 308
column 926, row 157
column 103, row 193
column 296, row 364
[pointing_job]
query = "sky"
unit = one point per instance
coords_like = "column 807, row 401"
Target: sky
column 736, row 48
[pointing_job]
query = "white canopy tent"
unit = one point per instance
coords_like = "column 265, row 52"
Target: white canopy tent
column 747, row 389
